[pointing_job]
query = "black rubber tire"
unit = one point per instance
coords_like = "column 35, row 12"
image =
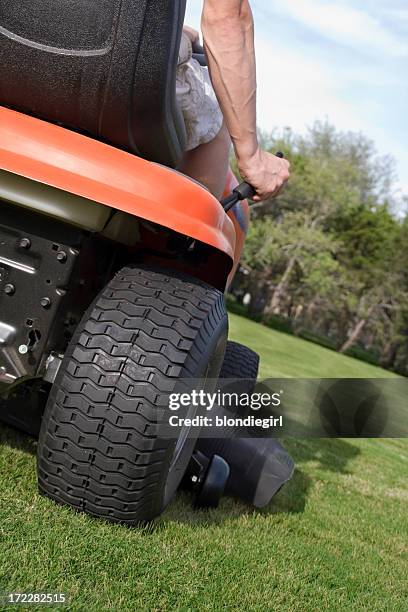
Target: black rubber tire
column 98, row 450
column 240, row 362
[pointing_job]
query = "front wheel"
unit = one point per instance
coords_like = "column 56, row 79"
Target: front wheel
column 99, row 451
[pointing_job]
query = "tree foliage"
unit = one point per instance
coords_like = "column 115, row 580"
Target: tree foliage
column 329, row 253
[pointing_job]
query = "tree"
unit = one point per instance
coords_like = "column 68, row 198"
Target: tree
column 329, row 253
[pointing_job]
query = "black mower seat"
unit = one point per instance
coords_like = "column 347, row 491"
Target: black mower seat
column 106, row 68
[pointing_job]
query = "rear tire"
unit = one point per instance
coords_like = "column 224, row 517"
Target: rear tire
column 240, row 362
column 99, row 451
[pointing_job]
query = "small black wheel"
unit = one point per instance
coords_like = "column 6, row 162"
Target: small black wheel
column 212, row 486
column 99, row 449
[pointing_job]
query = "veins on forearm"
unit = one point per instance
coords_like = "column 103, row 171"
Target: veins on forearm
column 229, row 41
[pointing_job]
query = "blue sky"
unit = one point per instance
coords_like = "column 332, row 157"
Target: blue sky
column 345, row 60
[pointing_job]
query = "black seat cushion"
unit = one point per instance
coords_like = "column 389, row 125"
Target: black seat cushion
column 103, row 67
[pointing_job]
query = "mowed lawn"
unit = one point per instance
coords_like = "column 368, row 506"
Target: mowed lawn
column 335, row 538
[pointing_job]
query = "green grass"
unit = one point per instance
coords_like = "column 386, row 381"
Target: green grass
column 285, row 355
column 335, row 538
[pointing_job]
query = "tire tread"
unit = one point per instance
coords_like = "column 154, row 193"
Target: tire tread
column 97, row 453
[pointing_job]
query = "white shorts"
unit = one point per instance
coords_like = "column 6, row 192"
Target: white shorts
column 197, row 99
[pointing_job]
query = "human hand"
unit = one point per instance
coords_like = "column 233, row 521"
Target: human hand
column 266, row 173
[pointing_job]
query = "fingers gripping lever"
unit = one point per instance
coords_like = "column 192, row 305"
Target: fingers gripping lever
column 244, row 191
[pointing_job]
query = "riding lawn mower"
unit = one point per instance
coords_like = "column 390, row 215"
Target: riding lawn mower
column 113, row 265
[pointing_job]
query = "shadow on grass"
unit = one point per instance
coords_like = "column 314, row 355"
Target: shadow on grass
column 332, row 455
column 291, row 499
column 16, row 439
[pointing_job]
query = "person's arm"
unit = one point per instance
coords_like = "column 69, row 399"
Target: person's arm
column 228, row 30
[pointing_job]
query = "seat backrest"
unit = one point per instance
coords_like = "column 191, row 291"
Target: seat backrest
column 103, row 67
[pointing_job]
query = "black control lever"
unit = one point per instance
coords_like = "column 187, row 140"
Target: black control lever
column 244, row 191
